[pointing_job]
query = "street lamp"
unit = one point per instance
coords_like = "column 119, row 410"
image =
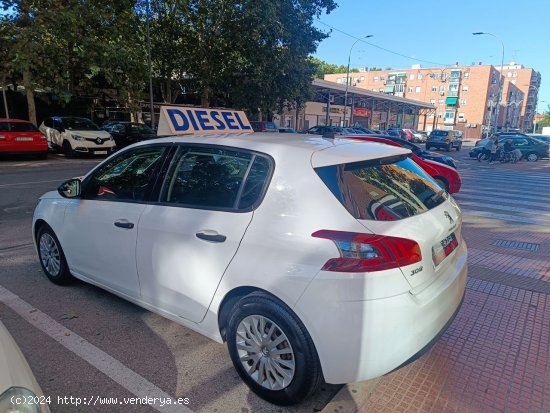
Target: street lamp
column 347, row 75
column 500, row 79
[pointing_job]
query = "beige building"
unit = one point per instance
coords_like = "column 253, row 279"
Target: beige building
column 465, row 97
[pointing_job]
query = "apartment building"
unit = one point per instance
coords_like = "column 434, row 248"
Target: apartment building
column 465, row 97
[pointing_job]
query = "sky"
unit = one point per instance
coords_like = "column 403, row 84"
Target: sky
column 440, row 32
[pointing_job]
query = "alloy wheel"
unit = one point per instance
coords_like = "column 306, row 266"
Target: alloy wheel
column 49, row 254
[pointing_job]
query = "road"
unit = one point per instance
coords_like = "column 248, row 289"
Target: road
column 85, row 342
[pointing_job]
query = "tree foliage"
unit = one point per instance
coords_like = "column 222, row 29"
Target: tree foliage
column 250, row 54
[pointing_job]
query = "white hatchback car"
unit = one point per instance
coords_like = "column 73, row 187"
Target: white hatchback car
column 312, row 258
column 77, row 136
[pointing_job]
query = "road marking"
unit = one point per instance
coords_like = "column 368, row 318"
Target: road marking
column 509, row 208
column 111, row 367
column 490, row 201
column 471, row 214
column 35, row 182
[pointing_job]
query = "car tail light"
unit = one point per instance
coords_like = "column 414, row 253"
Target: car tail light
column 369, row 252
column 2, row 137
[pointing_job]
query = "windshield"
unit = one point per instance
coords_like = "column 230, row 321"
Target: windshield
column 394, row 190
column 78, row 124
column 17, row 127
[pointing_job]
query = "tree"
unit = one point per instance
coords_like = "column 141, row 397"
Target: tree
column 322, row 68
column 64, row 46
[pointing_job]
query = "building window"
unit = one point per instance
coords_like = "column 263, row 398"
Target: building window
column 409, row 89
column 465, row 88
column 461, row 116
column 439, row 115
column 376, row 78
column 514, row 74
column 441, row 89
column 449, row 114
column 338, row 80
column 434, row 88
column 417, row 90
column 509, row 74
column 419, row 76
column 362, row 78
column 441, row 101
column 435, row 75
column 411, row 77
column 462, row 102
column 513, row 81
column 432, row 101
column 466, row 74
column 381, row 89
column 443, row 76
column 382, row 78
column 375, row 90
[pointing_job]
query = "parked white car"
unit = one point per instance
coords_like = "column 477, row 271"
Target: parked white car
column 19, row 391
column 312, row 258
column 77, row 136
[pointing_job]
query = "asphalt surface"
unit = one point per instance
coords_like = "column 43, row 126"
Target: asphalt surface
column 105, row 346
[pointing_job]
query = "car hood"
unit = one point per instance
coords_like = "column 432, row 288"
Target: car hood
column 92, row 134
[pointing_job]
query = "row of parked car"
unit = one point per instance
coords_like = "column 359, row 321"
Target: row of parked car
column 532, row 146
column 71, row 135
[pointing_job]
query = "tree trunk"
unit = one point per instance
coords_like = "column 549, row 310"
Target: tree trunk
column 205, row 97
column 27, row 83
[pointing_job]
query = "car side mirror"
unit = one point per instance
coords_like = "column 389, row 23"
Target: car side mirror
column 71, row 188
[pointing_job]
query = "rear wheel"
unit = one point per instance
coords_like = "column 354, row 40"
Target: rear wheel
column 272, row 350
column 67, row 149
column 52, row 258
column 449, row 147
column 459, row 147
column 532, row 157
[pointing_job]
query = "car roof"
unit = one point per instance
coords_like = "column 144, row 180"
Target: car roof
column 14, row 120
column 327, row 151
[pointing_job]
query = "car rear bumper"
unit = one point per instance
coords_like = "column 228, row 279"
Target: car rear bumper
column 361, row 339
column 28, row 147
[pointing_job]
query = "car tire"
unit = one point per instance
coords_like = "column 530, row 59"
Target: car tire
column 67, row 149
column 442, row 182
column 532, row 157
column 282, row 381
column 51, row 257
column 448, row 147
column 459, row 147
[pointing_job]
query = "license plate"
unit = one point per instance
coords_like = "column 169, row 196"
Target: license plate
column 101, row 152
column 443, row 248
column 24, row 139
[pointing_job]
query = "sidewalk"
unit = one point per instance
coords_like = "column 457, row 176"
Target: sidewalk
column 495, row 357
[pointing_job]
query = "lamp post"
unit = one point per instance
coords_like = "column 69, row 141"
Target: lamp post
column 347, row 75
column 152, row 106
column 500, row 78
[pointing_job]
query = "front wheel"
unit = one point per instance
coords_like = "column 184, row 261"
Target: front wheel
column 532, row 157
column 459, row 147
column 272, row 350
column 68, row 150
column 52, row 258
column 449, row 147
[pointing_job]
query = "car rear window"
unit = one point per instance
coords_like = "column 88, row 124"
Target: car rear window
column 386, row 189
column 439, row 133
column 17, row 127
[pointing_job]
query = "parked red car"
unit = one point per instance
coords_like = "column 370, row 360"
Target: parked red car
column 444, row 175
column 22, row 137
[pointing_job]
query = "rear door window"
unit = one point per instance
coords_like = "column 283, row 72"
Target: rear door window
column 382, row 190
column 211, row 178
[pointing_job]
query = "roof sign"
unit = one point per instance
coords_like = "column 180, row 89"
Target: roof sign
column 177, row 120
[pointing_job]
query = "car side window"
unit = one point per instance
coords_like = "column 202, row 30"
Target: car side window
column 255, row 183
column 521, row 142
column 127, row 177
column 208, row 178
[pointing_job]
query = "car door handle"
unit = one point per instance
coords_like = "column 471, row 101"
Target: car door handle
column 209, row 235
column 122, row 223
